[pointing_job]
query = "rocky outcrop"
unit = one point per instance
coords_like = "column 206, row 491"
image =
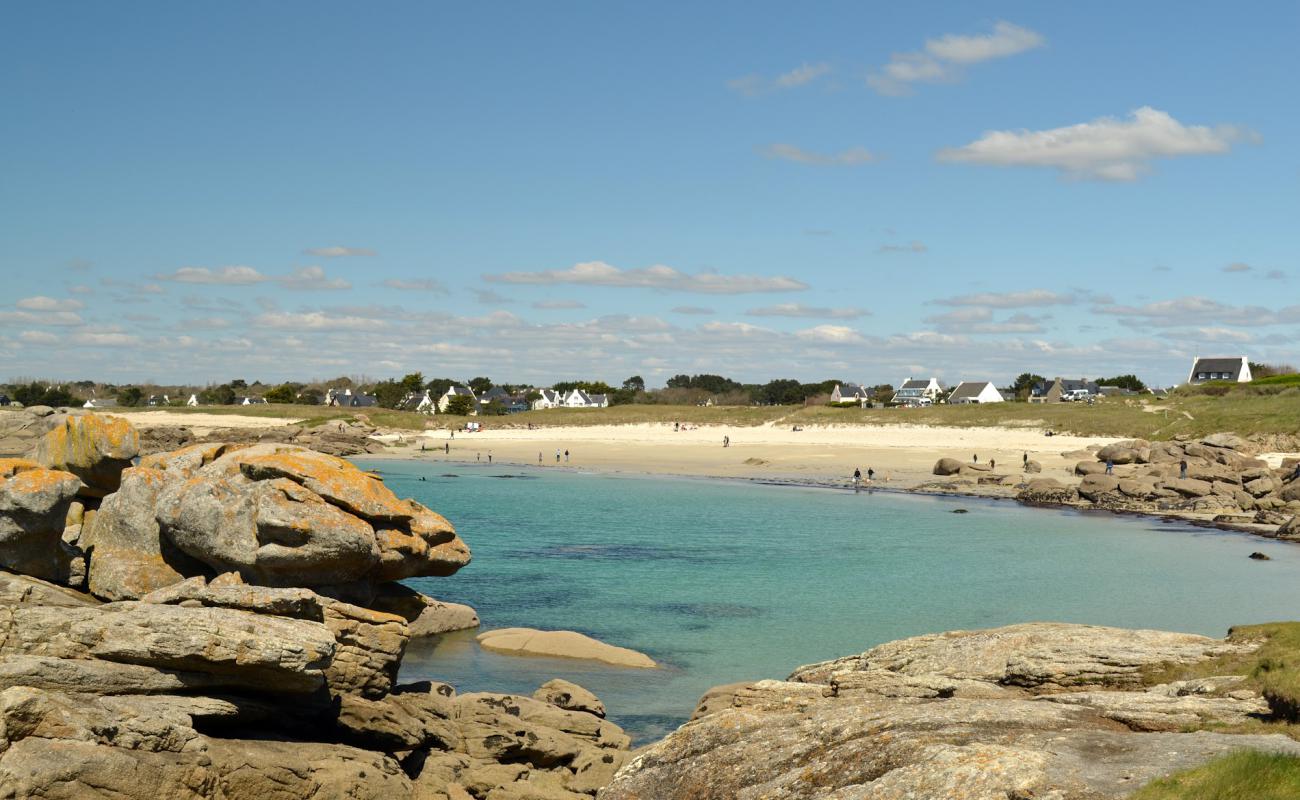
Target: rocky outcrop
column 337, row 438
column 1223, row 481
column 561, row 644
column 970, row 714
column 94, row 447
column 240, row 655
column 21, row 429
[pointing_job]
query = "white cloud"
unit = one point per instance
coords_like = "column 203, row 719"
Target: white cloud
column 831, row 334
column 1022, row 299
column 414, row 285
column 38, row 337
column 42, row 303
column 801, row 310
column 226, row 276
column 488, row 297
column 316, row 320
column 338, row 251
column 910, row 247
column 1105, row 149
column 1237, row 266
column 312, row 279
column 61, row 318
column 598, row 273
column 106, row 339
column 693, row 310
column 944, row 58
column 853, row 157
column 754, row 85
column 555, row 305
column 205, row 324
column 1198, row 311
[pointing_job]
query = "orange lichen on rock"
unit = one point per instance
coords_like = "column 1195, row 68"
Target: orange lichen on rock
column 332, row 478
column 10, row 467
column 94, row 447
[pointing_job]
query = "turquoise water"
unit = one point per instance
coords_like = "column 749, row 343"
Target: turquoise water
column 726, row 581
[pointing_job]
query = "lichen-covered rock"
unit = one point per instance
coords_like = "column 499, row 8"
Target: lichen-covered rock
column 872, row 726
column 425, row 615
column 94, row 447
column 34, row 505
column 129, row 557
column 245, row 650
column 1036, row 655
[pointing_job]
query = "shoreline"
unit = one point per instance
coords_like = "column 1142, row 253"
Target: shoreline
column 984, row 493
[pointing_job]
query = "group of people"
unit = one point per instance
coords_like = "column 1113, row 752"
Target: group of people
column 857, row 476
column 557, row 457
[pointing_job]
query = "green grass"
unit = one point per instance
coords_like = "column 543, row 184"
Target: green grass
column 1273, row 670
column 1246, row 775
column 1186, row 413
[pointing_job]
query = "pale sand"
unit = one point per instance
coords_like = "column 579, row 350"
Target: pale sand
column 901, row 455
column 200, row 423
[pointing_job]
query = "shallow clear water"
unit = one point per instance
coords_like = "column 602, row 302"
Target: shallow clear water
column 727, row 581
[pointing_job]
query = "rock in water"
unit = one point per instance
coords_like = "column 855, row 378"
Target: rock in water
column 94, row 447
column 561, row 644
column 1260, row 556
column 945, row 716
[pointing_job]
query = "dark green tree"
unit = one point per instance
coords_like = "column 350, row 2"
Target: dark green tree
column 389, row 394
column 460, row 406
column 1130, row 382
column 129, row 396
column 284, row 393
column 480, row 385
column 413, row 382
column 222, row 395
column 634, row 384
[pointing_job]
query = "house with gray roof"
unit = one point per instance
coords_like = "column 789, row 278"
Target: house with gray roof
column 1235, row 369
column 850, row 393
column 458, row 391
column 918, row 392
column 975, row 392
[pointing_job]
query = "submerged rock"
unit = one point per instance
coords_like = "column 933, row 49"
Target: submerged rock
column 561, row 644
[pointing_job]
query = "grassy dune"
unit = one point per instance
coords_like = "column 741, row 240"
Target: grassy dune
column 1189, row 414
column 1248, row 775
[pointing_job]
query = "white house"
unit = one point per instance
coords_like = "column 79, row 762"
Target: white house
column 975, row 392
column 580, row 399
column 427, row 404
column 1204, row 370
column 193, row 401
column 458, row 391
column 250, row 401
column 918, row 391
column 549, row 399
column 100, row 402
column 850, row 393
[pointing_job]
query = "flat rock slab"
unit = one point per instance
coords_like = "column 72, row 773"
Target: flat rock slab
column 561, row 644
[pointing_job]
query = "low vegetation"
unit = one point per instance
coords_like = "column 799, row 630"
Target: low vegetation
column 1247, row 775
column 1273, row 670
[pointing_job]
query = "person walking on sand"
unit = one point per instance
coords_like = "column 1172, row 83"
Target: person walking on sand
column 478, row 456
column 1026, row 459
column 1182, row 469
column 871, row 474
column 1110, row 466
column 557, row 456
column 446, row 447
column 726, row 441
column 975, row 459
column 993, row 464
column 489, row 458
column 857, row 477
column 566, row 456
column 539, row 458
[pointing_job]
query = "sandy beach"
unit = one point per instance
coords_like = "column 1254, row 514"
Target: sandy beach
column 202, row 424
column 902, row 456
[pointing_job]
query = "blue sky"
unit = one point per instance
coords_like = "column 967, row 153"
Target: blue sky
column 546, row 191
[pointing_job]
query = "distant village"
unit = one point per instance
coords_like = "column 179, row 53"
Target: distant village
column 479, row 396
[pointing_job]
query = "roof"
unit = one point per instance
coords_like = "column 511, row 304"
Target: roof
column 495, row 392
column 968, row 389
column 850, row 389
column 357, row 400
column 916, row 383
column 596, row 398
column 1232, row 365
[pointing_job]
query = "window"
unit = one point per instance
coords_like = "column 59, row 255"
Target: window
column 1200, row 376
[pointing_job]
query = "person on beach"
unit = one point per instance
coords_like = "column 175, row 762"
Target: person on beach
column 539, row 458
column 446, row 446
column 857, row 477
column 677, row 426
column 1026, row 459
column 478, row 456
column 557, row 456
column 1182, row 469
column 975, row 459
column 566, row 456
column 871, row 474
column 993, row 464
column 489, row 458
column 1110, row 466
